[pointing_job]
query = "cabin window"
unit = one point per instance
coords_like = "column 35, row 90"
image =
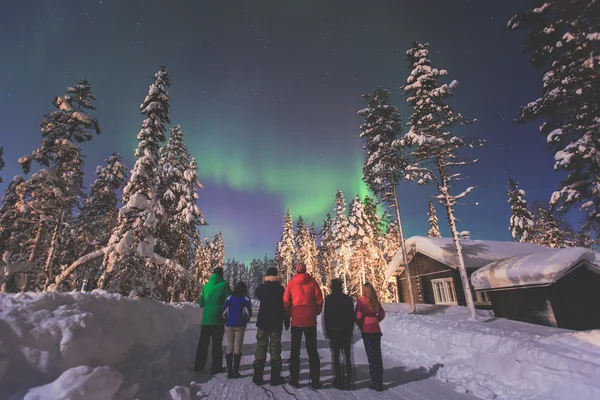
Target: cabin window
column 482, row 297
column 443, row 291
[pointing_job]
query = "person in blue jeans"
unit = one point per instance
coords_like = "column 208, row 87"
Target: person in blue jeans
column 237, row 312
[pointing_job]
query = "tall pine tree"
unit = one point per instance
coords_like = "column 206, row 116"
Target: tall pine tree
column 51, row 194
column 434, row 229
column 549, row 230
column 361, row 237
column 564, row 42
column 285, row 248
column 303, row 245
column 131, row 266
column 326, row 255
column 434, row 145
column 521, row 219
column 217, row 251
column 386, row 161
column 178, row 195
column 341, row 240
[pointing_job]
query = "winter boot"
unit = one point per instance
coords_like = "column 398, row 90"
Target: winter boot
column 315, row 373
column 229, row 359
column 276, row 378
column 237, row 358
column 259, row 369
column 347, row 378
column 337, row 377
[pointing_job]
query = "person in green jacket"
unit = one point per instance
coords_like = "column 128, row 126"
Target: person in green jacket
column 212, row 298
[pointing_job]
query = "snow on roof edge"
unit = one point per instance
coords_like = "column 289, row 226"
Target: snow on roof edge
column 477, row 253
column 543, row 268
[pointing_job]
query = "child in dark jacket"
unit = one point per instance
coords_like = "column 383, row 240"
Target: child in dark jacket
column 237, row 312
column 338, row 324
column 369, row 314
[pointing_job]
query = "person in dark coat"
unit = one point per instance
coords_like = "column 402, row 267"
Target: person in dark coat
column 269, row 323
column 338, row 324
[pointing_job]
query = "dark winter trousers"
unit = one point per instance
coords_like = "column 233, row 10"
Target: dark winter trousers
column 372, row 343
column 208, row 333
column 314, row 363
column 268, row 340
column 341, row 342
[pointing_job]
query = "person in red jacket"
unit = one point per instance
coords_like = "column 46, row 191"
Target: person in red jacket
column 303, row 302
column 369, row 314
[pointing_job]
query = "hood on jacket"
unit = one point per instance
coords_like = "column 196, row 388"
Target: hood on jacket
column 303, row 278
column 216, row 278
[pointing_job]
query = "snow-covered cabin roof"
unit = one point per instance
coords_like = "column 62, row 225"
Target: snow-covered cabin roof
column 543, row 268
column 476, row 253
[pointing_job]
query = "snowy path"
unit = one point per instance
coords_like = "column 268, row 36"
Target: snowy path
column 400, row 383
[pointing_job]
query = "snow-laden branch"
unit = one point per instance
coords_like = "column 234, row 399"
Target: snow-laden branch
column 85, row 259
column 463, row 194
column 172, row 264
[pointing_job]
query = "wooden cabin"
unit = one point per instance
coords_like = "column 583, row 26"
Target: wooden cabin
column 556, row 287
column 433, row 267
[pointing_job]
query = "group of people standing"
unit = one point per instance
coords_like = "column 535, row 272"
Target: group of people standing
column 297, row 306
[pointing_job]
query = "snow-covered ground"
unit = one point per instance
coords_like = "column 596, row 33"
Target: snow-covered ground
column 99, row 346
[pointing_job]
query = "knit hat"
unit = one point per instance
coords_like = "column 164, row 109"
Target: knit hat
column 300, row 268
column 272, row 271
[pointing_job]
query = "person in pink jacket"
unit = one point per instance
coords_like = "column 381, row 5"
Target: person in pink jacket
column 369, row 314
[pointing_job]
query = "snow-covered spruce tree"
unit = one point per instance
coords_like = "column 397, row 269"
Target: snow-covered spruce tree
column 258, row 269
column 564, row 42
column 434, row 229
column 521, row 219
column 51, row 194
column 202, row 261
column 232, row 272
column 130, row 265
column 434, row 145
column 178, row 194
column 386, row 160
column 303, row 245
column 377, row 264
column 285, row 248
column 217, row 251
column 326, row 256
column 341, row 240
column 314, row 252
column 361, row 239
column 98, row 216
column 549, row 229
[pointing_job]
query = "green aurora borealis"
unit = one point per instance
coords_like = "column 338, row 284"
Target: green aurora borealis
column 267, row 95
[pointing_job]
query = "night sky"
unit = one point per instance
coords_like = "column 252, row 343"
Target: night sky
column 267, row 94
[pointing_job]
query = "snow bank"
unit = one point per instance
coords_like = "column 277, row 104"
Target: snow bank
column 495, row 358
column 61, row 337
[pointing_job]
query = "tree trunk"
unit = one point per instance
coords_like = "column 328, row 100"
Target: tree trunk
column 52, row 250
column 36, row 243
column 454, row 232
column 88, row 257
column 413, row 307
